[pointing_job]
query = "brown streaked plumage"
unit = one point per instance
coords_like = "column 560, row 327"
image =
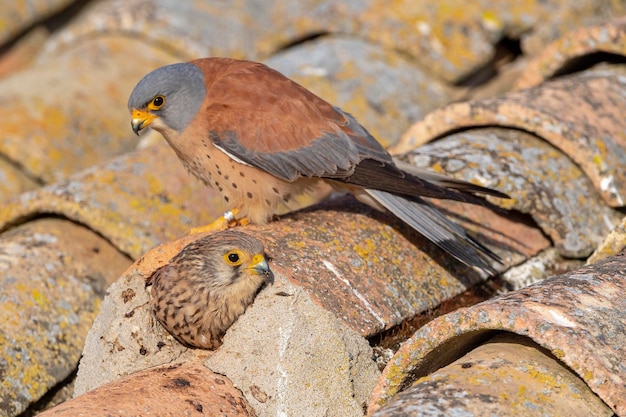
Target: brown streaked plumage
column 261, row 139
column 200, row 293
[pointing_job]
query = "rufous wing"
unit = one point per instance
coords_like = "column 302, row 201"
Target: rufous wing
column 264, row 119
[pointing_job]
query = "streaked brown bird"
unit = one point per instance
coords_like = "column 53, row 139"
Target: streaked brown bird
column 200, row 293
column 261, row 139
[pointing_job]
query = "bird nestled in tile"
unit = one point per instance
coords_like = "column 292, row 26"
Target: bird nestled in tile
column 202, row 291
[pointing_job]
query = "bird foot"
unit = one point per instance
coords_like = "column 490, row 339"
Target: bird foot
column 225, row 221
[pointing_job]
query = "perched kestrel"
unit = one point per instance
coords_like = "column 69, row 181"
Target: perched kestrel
column 200, row 293
column 261, row 139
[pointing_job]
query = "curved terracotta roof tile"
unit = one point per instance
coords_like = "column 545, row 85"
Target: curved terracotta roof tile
column 503, row 376
column 582, row 115
column 16, row 17
column 68, row 112
column 51, row 293
column 195, row 28
column 457, row 38
column 579, row 317
column 541, row 180
column 136, row 201
column 609, row 38
column 173, row 390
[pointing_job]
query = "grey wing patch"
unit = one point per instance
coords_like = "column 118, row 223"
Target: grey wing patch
column 366, row 145
column 329, row 156
column 437, row 228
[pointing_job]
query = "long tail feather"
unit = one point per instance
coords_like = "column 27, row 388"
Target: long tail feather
column 446, row 181
column 437, row 228
column 382, row 176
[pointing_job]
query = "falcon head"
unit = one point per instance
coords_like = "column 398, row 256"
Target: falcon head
column 167, row 99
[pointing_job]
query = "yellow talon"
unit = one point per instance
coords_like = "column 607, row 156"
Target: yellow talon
column 217, row 226
column 225, row 221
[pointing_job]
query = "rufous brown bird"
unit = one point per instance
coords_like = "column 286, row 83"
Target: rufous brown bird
column 200, row 293
column 261, row 139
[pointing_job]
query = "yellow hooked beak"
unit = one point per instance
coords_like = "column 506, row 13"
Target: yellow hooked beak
column 259, row 266
column 141, row 119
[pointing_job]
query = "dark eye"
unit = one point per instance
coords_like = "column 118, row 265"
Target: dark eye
column 156, row 103
column 234, row 257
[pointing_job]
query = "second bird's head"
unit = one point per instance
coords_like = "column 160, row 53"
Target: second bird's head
column 167, row 99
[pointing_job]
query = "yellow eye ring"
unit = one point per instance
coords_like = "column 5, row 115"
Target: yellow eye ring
column 156, row 103
column 233, row 257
